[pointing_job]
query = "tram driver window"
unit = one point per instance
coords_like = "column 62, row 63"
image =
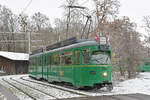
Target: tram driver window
column 86, row 56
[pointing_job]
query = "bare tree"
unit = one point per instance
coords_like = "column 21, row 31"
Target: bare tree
column 39, row 21
column 8, row 23
column 125, row 43
column 106, row 11
column 146, row 20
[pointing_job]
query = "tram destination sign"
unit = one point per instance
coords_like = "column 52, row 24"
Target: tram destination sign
column 103, row 40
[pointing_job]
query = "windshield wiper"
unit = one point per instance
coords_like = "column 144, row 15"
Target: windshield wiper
column 97, row 60
column 106, row 60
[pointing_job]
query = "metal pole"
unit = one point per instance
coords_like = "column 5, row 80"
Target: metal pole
column 29, row 41
column 68, row 22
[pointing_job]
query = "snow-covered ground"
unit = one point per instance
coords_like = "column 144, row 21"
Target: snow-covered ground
column 140, row 84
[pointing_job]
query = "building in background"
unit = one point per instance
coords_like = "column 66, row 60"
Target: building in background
column 14, row 63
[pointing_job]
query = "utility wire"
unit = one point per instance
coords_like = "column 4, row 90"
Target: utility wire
column 27, row 6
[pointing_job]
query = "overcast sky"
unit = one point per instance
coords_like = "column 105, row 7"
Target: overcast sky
column 135, row 9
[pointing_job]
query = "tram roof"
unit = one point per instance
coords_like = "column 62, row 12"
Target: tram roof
column 79, row 44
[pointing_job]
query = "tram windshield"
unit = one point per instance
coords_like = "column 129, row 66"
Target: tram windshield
column 99, row 57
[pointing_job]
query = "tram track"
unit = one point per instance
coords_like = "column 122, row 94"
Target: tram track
column 24, row 85
column 44, row 91
column 19, row 89
column 30, row 92
column 34, row 88
column 43, row 88
column 52, row 86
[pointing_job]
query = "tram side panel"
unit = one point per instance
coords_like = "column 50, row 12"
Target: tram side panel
column 45, row 64
column 39, row 67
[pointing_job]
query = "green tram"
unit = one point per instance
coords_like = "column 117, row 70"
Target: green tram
column 82, row 63
column 145, row 66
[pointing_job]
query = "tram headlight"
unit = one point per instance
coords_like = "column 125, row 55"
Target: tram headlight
column 105, row 74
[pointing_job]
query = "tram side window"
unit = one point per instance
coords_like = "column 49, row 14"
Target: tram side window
column 62, row 59
column 36, row 62
column 66, row 58
column 77, row 57
column 86, row 56
column 45, row 60
column 49, row 59
column 32, row 62
column 56, row 59
column 40, row 61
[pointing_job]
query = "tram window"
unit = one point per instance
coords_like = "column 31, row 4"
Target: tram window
column 56, row 59
column 99, row 57
column 66, row 58
column 62, row 59
column 39, row 61
column 52, row 59
column 86, row 56
column 45, row 58
column 49, row 59
column 33, row 62
column 77, row 57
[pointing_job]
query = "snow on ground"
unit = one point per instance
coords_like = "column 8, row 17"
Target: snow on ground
column 16, row 92
column 53, row 91
column 140, row 84
column 1, row 71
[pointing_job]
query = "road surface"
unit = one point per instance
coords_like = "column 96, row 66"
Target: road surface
column 117, row 97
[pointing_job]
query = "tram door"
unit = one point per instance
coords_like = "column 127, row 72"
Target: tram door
column 77, row 61
column 49, row 59
column 39, row 68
